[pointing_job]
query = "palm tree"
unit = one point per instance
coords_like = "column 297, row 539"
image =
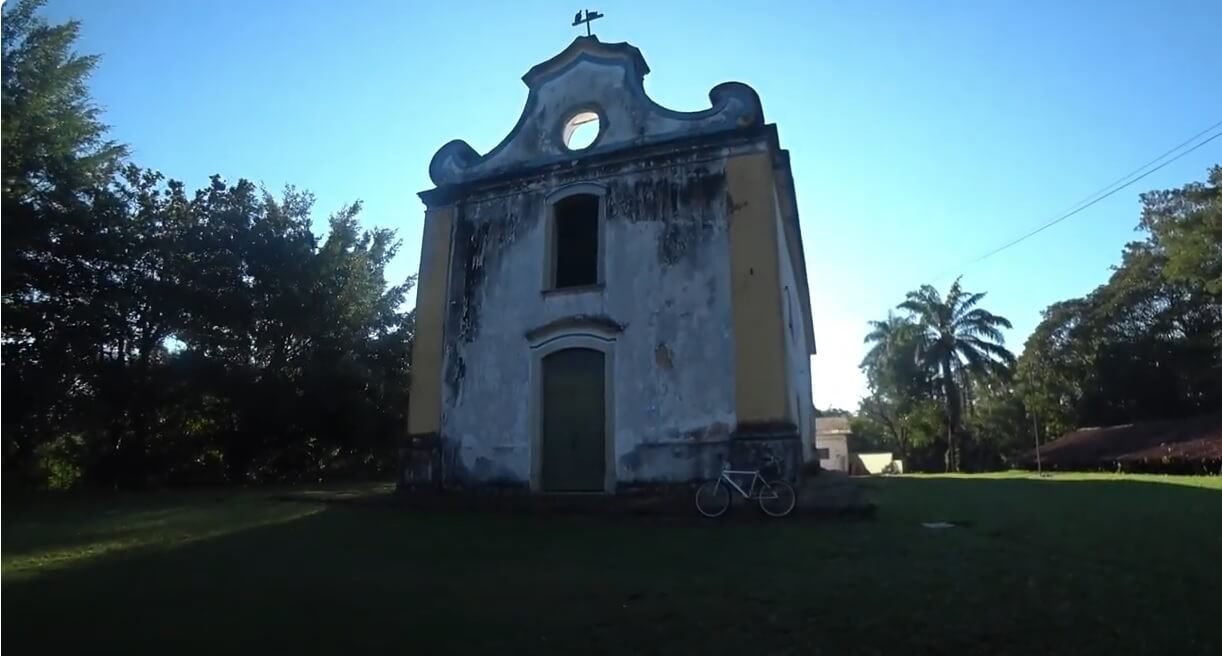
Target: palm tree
column 888, row 337
column 891, row 364
column 959, row 341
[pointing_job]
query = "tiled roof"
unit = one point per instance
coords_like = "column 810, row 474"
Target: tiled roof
column 1193, row 438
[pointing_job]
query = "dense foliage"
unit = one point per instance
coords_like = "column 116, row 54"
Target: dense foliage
column 156, row 335
column 1146, row 345
column 923, row 367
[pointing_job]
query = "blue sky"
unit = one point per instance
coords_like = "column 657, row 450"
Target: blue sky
column 923, row 134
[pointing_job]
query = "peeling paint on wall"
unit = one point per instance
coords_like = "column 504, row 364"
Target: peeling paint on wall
column 665, row 297
column 662, row 305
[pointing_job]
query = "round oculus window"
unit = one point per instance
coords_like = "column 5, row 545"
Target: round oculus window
column 581, row 130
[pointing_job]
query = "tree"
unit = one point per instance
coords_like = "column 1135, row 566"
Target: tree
column 1185, row 227
column 57, row 249
column 1052, row 369
column 888, row 337
column 1147, row 344
column 999, row 425
column 909, row 426
column 959, row 341
column 54, row 141
column 832, row 411
column 899, row 386
column 153, row 335
column 893, row 362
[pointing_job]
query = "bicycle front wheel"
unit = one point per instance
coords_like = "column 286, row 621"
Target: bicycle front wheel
column 713, row 499
column 777, row 499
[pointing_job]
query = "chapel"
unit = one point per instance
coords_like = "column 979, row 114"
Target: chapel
column 614, row 296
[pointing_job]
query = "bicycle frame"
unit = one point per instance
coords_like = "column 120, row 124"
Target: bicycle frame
column 755, row 478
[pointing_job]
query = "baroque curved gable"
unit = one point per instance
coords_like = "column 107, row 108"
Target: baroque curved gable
column 604, row 78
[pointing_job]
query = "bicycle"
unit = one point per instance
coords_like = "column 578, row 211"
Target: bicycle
column 776, row 498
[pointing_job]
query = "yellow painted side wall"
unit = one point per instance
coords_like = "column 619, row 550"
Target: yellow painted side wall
column 424, row 411
column 761, row 393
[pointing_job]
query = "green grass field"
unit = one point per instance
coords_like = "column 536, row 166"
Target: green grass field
column 1073, row 564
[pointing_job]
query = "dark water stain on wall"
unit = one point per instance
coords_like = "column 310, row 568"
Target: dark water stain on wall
column 483, row 232
column 686, row 199
column 664, row 358
column 699, row 193
column 688, row 204
column 664, row 462
column 474, row 243
column 456, row 370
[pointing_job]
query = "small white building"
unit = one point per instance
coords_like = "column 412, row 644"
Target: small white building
column 832, row 443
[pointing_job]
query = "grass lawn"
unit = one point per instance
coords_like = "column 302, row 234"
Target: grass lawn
column 1073, row 564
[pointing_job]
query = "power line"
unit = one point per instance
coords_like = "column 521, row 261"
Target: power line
column 1093, row 202
column 1105, row 192
column 1144, row 166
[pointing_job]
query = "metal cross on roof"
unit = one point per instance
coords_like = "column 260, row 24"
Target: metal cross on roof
column 590, row 17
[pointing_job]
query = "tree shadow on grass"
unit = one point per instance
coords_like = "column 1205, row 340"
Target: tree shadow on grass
column 357, row 578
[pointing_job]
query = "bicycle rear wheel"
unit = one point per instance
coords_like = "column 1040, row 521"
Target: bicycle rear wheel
column 713, row 499
column 777, row 499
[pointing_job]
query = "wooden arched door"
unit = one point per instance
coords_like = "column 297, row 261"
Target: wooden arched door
column 574, row 421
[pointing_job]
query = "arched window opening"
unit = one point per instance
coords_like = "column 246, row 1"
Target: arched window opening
column 575, row 242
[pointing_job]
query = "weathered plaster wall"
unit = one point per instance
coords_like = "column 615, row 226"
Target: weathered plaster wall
column 666, row 280
column 797, row 359
column 607, row 79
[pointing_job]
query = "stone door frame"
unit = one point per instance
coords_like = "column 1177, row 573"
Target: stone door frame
column 591, row 337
